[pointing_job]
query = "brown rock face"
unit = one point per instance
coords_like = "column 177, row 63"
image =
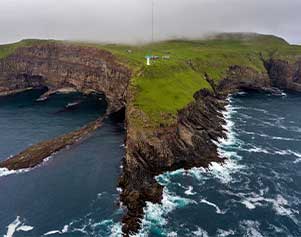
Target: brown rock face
column 244, row 78
column 285, row 75
column 58, row 65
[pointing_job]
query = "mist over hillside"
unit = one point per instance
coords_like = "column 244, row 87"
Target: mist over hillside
column 129, row 21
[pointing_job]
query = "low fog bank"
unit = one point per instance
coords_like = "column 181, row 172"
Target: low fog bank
column 130, row 21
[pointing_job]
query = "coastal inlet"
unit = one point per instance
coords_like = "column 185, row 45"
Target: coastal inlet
column 73, row 192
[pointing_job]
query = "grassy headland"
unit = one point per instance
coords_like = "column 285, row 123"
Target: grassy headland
column 160, row 90
column 165, row 87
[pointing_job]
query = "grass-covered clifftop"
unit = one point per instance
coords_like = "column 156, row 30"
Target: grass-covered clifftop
column 165, row 87
column 158, row 91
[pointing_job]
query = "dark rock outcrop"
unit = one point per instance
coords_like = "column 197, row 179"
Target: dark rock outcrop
column 284, row 75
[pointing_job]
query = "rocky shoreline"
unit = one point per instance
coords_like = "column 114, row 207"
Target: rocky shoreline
column 190, row 142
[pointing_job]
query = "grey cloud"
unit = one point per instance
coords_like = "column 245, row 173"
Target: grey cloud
column 130, row 20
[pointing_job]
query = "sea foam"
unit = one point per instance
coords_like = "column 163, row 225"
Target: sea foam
column 6, row 172
column 156, row 214
column 16, row 226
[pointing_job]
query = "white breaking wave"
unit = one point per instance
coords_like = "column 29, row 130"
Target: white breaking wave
column 17, row 226
column 218, row 210
column 172, row 234
column 297, row 161
column 288, row 152
column 64, row 230
column 155, row 214
column 116, row 230
column 6, row 172
column 251, row 228
column 279, row 204
column 189, row 191
column 225, row 233
column 200, row 233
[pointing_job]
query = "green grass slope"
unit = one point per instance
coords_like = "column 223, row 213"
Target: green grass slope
column 165, row 87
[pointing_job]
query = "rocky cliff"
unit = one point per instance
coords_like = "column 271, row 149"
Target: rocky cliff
column 284, row 74
column 59, row 65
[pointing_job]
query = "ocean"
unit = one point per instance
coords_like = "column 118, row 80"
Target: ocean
column 257, row 192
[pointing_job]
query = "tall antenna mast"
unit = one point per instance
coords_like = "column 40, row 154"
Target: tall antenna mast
column 149, row 57
column 153, row 21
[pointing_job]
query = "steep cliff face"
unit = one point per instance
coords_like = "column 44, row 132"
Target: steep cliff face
column 284, row 75
column 57, row 65
column 188, row 143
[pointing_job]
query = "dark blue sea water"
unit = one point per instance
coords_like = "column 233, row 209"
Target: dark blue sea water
column 256, row 193
column 74, row 192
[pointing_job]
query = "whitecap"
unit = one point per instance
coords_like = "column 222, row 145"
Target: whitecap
column 155, row 214
column 251, row 228
column 248, row 204
column 119, row 190
column 25, row 228
column 297, row 161
column 197, row 173
column 224, row 172
column 258, row 150
column 17, row 226
column 241, row 93
column 217, row 209
column 165, row 178
column 224, row 233
column 200, row 233
column 116, row 230
column 280, row 205
column 52, row 232
column 288, row 152
column 189, row 191
column 64, row 230
column 283, row 94
column 172, row 234
column 6, row 172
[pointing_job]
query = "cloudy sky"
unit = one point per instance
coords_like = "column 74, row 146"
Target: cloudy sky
column 130, row 20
